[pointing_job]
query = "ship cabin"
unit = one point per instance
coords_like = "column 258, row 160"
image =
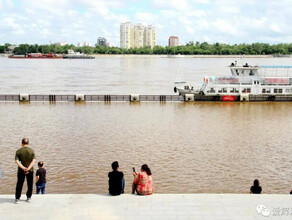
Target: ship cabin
column 244, row 71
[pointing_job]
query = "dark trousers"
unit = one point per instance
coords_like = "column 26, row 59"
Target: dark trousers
column 20, row 180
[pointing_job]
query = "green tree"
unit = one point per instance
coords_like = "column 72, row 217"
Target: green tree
column 2, row 49
column 158, row 50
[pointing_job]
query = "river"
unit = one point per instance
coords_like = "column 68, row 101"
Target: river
column 199, row 147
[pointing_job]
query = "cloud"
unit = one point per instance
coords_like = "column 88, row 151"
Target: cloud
column 229, row 21
column 275, row 27
column 145, row 18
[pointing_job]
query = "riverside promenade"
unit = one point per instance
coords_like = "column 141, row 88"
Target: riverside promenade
column 157, row 206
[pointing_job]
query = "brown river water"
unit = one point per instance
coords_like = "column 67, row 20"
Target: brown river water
column 200, row 147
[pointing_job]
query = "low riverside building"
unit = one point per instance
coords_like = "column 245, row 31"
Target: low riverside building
column 101, row 41
column 84, row 44
column 63, row 43
column 173, row 41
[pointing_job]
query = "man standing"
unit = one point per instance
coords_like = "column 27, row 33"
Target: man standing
column 25, row 159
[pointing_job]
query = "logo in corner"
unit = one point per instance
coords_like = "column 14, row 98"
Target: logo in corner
column 261, row 209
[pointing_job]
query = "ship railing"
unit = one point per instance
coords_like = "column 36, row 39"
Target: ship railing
column 276, row 70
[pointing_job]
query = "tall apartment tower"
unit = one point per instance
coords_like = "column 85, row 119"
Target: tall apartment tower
column 150, row 36
column 173, row 41
column 126, row 35
column 137, row 35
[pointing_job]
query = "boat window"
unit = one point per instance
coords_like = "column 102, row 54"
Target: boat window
column 287, row 90
column 280, row 91
column 220, row 91
column 251, row 73
column 246, row 90
column 263, row 90
column 275, row 90
column 224, row 90
column 211, row 90
column 186, row 87
column 268, row 90
column 233, row 90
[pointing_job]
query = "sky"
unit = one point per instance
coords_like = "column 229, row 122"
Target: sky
column 73, row 21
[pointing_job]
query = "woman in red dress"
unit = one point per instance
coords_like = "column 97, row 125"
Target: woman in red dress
column 143, row 181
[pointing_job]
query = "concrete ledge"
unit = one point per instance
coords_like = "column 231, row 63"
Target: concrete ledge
column 157, row 206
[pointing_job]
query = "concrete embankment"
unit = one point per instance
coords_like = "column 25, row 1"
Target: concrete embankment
column 157, row 206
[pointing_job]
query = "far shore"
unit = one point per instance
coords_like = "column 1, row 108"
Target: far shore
column 180, row 56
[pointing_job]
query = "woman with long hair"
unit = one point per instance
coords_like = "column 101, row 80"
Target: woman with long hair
column 143, row 181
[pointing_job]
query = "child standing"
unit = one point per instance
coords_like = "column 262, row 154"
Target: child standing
column 41, row 178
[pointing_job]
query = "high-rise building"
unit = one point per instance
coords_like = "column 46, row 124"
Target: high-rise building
column 126, row 35
column 150, row 36
column 173, row 41
column 137, row 35
column 102, row 41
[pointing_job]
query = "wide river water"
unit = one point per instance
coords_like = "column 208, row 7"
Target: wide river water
column 199, row 147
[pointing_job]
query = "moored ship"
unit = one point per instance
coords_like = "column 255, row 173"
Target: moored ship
column 244, row 80
column 77, row 55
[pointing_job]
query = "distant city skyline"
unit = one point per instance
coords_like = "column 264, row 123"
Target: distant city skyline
column 72, row 21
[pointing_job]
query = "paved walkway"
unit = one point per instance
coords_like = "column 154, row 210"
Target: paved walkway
column 158, row 206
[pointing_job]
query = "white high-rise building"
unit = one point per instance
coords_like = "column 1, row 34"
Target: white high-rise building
column 137, row 35
column 126, row 35
column 150, row 36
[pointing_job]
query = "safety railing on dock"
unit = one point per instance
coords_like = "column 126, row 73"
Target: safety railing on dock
column 90, row 98
column 142, row 98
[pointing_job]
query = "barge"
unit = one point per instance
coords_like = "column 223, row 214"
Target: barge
column 36, row 56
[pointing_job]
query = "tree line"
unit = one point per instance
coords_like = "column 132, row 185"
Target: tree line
column 190, row 48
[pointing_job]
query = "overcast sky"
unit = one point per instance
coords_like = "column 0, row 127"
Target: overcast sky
column 73, row 21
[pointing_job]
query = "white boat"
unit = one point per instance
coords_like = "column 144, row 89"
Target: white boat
column 244, row 79
column 77, row 55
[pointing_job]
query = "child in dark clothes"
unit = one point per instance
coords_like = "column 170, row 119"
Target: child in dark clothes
column 41, row 178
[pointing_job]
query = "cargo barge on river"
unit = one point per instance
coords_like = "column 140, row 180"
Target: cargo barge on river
column 71, row 55
column 36, row 56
